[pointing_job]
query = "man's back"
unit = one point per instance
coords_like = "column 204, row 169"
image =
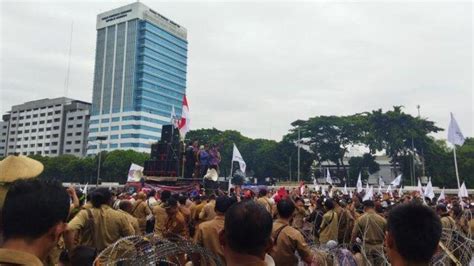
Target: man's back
column 371, row 228
column 109, row 226
column 328, row 229
column 160, row 219
column 207, row 235
column 208, row 212
column 287, row 241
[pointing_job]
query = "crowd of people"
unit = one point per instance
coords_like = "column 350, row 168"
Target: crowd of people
column 44, row 223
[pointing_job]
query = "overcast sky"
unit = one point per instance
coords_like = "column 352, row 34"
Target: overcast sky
column 257, row 66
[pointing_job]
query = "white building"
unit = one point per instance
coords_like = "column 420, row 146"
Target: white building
column 48, row 127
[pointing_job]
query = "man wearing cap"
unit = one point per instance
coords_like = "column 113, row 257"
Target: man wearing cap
column 175, row 224
column 286, row 239
column 16, row 167
column 370, row 227
column 207, row 233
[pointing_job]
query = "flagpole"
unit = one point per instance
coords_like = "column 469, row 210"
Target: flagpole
column 456, row 166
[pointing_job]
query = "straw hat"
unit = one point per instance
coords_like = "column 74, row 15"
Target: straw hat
column 19, row 167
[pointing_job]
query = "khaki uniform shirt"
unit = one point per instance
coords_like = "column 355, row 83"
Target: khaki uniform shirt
column 328, row 229
column 370, row 227
column 196, row 210
column 160, row 219
column 176, row 226
column 109, row 226
column 15, row 257
column 141, row 211
column 300, row 213
column 133, row 222
column 265, row 203
column 208, row 212
column 448, row 222
column 289, row 240
column 207, row 235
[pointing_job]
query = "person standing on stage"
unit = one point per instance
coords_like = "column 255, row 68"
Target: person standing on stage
column 203, row 156
column 214, row 158
column 189, row 161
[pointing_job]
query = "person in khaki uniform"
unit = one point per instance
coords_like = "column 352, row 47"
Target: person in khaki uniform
column 160, row 213
column 264, row 201
column 141, row 211
column 109, row 225
column 27, row 242
column 345, row 222
column 175, row 227
column 126, row 208
column 207, row 233
column 300, row 214
column 370, row 227
column 288, row 240
column 329, row 225
column 208, row 212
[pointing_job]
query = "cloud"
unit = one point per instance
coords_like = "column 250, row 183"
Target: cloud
column 258, row 66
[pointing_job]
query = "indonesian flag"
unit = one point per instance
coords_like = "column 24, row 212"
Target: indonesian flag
column 183, row 124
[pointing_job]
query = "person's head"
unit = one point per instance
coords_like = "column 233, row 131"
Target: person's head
column 182, row 200
column 141, row 196
column 413, row 233
column 126, row 206
column 262, row 193
column 285, row 208
column 101, row 196
column 299, row 202
column 247, row 229
column 171, row 206
column 212, row 197
column 368, row 205
column 165, row 195
column 35, row 212
column 329, row 204
column 222, row 204
column 441, row 209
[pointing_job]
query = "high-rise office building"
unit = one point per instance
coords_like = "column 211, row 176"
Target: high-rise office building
column 48, row 127
column 140, row 74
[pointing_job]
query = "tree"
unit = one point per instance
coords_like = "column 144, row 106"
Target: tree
column 397, row 133
column 366, row 165
column 117, row 163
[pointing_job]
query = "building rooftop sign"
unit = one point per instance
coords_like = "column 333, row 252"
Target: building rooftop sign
column 138, row 10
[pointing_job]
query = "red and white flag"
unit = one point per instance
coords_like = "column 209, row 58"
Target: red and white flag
column 183, row 123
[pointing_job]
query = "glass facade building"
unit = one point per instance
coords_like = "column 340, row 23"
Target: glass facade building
column 140, row 75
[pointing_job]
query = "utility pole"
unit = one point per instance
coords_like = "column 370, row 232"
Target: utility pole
column 299, row 144
column 289, row 163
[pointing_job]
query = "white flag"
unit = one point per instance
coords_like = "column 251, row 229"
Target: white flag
column 345, row 190
column 455, row 135
column 389, row 190
column 379, row 190
column 350, row 194
column 429, row 192
column 236, row 157
column 184, row 122
column 396, row 182
column 328, row 177
column 419, row 188
column 315, row 183
column 84, row 190
column 441, row 196
column 135, row 173
column 462, row 193
column 367, row 186
column 359, row 184
column 369, row 194
column 400, row 192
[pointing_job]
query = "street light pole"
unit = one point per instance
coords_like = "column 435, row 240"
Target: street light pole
column 100, row 139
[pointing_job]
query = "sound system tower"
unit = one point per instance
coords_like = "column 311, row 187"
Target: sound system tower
column 166, row 155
